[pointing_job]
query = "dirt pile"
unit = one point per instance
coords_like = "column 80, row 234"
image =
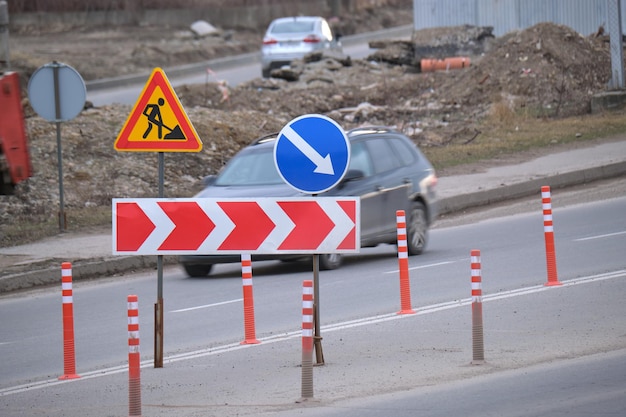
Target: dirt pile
column 547, row 70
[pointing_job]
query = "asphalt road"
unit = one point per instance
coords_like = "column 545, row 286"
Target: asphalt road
column 593, row 385
column 369, row 348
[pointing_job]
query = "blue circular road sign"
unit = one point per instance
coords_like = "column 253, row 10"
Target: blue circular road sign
column 57, row 92
column 312, row 153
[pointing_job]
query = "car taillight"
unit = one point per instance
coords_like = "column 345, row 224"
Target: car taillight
column 312, row 39
column 269, row 41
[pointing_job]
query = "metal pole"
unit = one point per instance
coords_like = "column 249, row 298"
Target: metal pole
column 317, row 338
column 616, row 45
column 57, row 114
column 60, row 163
column 158, row 307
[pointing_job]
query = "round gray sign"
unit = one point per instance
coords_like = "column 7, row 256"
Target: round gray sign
column 57, row 92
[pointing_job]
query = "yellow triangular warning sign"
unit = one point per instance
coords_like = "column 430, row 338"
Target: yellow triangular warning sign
column 158, row 122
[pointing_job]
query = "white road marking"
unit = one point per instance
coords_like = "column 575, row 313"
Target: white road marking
column 582, row 239
column 207, row 306
column 329, row 328
column 395, row 271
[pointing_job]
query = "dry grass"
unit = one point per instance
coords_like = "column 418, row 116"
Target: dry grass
column 75, row 219
column 505, row 134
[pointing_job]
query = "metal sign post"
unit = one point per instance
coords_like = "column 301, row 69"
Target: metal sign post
column 57, row 93
column 312, row 154
column 616, row 45
column 158, row 306
column 158, row 123
column 317, row 337
column 204, row 226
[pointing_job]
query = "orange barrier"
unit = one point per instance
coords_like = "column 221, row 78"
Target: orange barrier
column 248, row 300
column 69, row 353
column 430, row 65
column 134, row 362
column 13, row 140
column 548, row 229
column 403, row 264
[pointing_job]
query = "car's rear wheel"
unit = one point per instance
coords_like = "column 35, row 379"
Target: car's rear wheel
column 417, row 233
column 330, row 261
column 198, row 271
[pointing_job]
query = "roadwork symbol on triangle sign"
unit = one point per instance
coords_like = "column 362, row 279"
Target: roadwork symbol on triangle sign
column 158, row 122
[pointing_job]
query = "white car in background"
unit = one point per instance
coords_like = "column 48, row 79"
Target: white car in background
column 290, row 38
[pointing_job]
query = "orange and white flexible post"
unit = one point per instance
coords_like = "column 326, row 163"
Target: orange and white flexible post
column 478, row 345
column 69, row 352
column 307, row 339
column 134, row 361
column 248, row 300
column 403, row 264
column 548, row 229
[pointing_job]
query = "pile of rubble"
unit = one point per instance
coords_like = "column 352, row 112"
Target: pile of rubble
column 547, row 70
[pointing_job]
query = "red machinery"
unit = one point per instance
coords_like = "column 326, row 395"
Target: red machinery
column 15, row 163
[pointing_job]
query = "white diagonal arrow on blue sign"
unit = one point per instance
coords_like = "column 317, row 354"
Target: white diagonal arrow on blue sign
column 312, row 153
column 323, row 165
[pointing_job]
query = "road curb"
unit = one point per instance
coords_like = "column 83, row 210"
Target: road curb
column 82, row 270
column 532, row 187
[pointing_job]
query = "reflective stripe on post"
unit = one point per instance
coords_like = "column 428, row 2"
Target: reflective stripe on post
column 69, row 353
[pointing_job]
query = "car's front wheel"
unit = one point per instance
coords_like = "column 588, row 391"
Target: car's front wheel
column 330, row 261
column 198, row 271
column 417, row 230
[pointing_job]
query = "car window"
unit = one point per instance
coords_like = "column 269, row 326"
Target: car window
column 252, row 168
column 404, row 151
column 383, row 157
column 360, row 159
column 293, row 27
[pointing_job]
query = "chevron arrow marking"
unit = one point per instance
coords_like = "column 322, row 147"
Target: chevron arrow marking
column 307, row 225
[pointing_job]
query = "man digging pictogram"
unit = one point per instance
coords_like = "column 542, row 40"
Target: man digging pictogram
column 153, row 113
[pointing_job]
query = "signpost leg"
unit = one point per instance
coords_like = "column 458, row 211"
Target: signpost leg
column 60, row 163
column 158, row 307
column 158, row 333
column 317, row 338
column 57, row 111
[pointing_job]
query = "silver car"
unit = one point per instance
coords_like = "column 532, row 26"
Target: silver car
column 387, row 171
column 290, row 38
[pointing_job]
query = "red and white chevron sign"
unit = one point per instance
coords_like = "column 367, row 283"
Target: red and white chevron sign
column 203, row 226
